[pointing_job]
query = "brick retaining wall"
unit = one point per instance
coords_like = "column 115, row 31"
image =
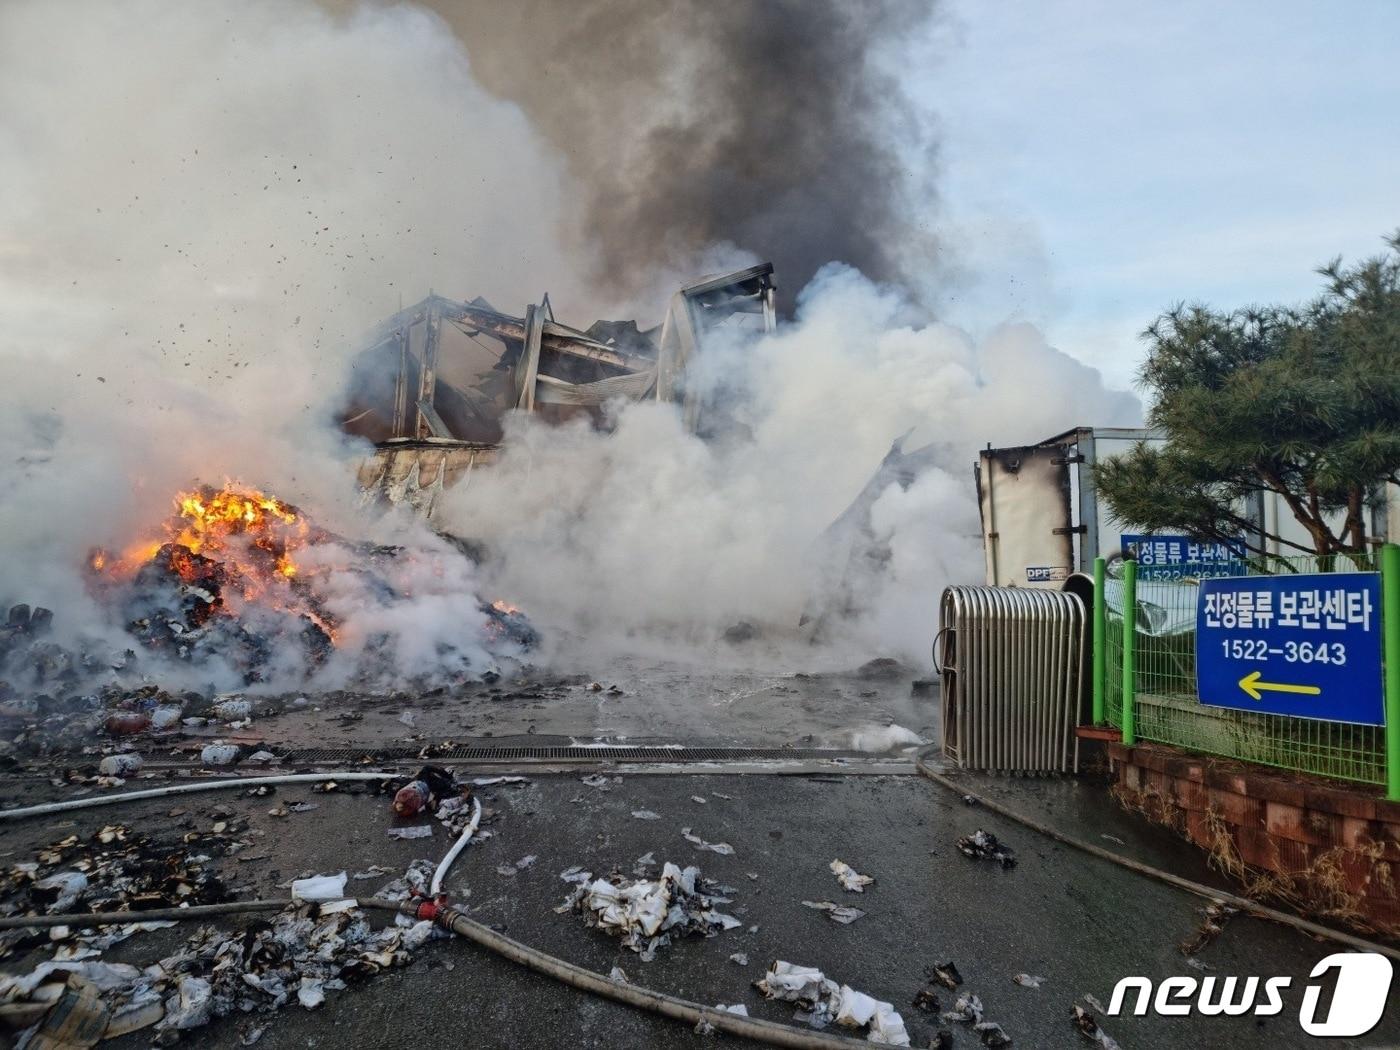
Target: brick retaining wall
column 1333, row 848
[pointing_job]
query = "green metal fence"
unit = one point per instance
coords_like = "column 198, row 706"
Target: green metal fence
column 1161, row 668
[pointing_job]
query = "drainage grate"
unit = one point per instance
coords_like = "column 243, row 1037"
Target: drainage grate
column 563, row 754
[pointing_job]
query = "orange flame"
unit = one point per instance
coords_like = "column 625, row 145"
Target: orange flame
column 248, row 537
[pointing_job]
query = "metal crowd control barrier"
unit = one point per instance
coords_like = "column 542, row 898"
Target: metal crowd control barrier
column 1012, row 668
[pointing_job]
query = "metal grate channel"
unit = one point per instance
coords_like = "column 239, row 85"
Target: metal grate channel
column 564, row 754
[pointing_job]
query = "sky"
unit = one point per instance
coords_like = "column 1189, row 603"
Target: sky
column 1102, row 161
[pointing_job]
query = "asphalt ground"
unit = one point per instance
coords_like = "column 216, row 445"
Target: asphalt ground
column 1078, row 922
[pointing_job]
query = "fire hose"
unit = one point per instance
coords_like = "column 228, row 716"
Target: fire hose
column 444, row 915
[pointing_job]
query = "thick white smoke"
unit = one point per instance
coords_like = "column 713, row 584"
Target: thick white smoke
column 649, row 533
column 204, row 206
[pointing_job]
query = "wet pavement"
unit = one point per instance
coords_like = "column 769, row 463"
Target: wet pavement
column 1079, row 922
column 626, row 702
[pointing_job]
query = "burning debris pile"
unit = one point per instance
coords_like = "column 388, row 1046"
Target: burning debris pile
column 224, row 579
column 244, row 588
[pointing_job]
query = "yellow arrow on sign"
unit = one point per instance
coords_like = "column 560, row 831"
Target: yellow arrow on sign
column 1253, row 687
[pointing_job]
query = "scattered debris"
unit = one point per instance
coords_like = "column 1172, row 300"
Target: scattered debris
column 836, row 912
column 493, row 781
column 698, row 798
column 926, row 999
column 595, row 780
column 298, row 954
column 519, row 866
column 374, row 871
column 1112, row 838
column 645, row 814
column 823, row 1001
column 431, row 786
column 648, row 913
column 617, row 975
column 880, row 739
column 850, row 879
column 724, row 849
column 1216, row 915
column 417, row 831
column 946, row 974
column 232, row 708
column 1089, row 1028
column 967, row 1010
column 219, row 754
column 740, row 958
column 969, row 800
column 319, row 888
column 122, row 765
column 1025, row 980
column 983, row 845
column 993, row 1035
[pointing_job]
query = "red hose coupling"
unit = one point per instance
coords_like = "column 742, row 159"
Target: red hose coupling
column 427, row 910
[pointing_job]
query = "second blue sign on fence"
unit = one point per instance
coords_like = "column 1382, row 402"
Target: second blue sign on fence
column 1307, row 646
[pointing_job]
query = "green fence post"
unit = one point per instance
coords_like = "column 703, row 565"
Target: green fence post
column 1129, row 652
column 1100, row 634
column 1390, row 624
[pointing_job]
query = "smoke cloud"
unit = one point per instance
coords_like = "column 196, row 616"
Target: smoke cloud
column 204, row 207
column 778, row 129
column 647, row 534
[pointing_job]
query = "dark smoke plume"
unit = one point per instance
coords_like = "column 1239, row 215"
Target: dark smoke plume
column 765, row 125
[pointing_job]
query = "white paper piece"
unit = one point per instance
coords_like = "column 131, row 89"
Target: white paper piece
column 849, row 878
column 823, row 1001
column 320, row 888
column 724, row 849
column 836, row 912
column 312, row 993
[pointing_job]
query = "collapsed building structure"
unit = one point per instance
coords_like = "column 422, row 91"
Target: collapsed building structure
column 437, row 378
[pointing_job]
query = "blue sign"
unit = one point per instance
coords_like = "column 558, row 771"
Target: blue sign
column 1307, row 646
column 1180, row 557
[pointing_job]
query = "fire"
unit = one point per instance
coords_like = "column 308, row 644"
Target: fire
column 237, row 543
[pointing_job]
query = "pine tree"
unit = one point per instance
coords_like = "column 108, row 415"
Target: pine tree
column 1302, row 402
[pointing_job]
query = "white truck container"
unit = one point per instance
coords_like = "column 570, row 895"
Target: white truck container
column 1042, row 519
